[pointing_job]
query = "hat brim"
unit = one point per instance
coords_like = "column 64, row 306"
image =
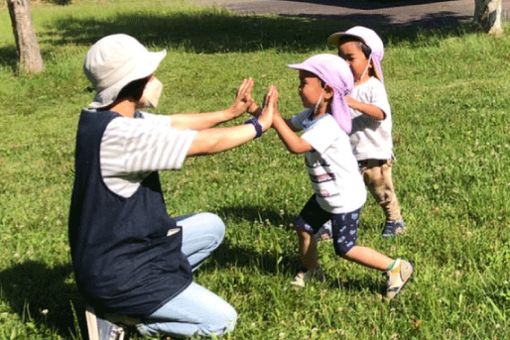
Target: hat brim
column 301, row 67
column 148, row 65
column 334, row 38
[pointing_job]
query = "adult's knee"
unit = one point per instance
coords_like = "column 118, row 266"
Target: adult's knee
column 214, row 223
column 230, row 318
column 224, row 321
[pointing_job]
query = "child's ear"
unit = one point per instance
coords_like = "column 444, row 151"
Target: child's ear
column 328, row 92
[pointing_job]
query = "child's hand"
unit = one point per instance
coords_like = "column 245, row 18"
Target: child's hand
column 270, row 107
column 243, row 99
column 367, row 109
column 350, row 101
column 276, row 96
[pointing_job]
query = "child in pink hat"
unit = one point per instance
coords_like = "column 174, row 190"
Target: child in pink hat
column 371, row 137
column 339, row 192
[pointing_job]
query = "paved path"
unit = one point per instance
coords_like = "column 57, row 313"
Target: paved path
column 369, row 12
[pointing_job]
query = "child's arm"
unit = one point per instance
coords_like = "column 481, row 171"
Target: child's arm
column 367, row 109
column 292, row 141
column 200, row 121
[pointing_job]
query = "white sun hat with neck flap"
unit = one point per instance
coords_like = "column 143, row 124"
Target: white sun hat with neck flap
column 113, row 62
column 370, row 38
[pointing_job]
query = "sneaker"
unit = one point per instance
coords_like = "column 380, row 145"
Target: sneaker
column 324, row 232
column 393, row 228
column 303, row 275
column 398, row 277
column 102, row 329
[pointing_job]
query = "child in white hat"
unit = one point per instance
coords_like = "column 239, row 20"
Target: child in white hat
column 338, row 189
column 371, row 138
column 132, row 261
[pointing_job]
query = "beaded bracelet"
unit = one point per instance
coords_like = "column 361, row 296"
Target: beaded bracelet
column 258, row 128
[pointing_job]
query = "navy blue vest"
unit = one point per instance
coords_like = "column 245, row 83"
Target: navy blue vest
column 122, row 258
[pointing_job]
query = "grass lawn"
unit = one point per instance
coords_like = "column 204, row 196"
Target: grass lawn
column 449, row 94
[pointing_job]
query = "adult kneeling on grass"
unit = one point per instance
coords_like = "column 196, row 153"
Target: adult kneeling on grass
column 129, row 256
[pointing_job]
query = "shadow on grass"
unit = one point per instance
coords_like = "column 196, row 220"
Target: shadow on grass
column 370, row 4
column 215, row 31
column 255, row 214
column 230, row 254
column 9, row 57
column 355, row 284
column 219, row 31
column 40, row 294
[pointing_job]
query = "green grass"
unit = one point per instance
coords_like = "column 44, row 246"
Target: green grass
column 449, row 93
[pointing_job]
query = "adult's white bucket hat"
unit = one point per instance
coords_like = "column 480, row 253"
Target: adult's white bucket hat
column 113, row 62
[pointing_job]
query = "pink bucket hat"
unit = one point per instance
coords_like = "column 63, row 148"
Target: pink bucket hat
column 113, row 62
column 371, row 39
column 335, row 73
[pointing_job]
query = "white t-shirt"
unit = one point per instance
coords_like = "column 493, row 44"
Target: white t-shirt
column 332, row 168
column 132, row 148
column 371, row 138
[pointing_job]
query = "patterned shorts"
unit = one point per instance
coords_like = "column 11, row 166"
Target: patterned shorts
column 345, row 226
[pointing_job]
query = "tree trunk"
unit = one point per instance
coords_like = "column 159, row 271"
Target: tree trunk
column 488, row 16
column 29, row 55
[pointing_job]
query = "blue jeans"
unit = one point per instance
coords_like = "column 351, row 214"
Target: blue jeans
column 196, row 310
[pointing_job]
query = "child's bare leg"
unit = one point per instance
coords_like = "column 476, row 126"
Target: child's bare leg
column 368, row 257
column 307, row 250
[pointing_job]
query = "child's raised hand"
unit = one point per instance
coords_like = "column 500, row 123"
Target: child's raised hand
column 243, row 99
column 273, row 100
column 270, row 107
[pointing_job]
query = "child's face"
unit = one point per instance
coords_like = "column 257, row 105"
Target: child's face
column 351, row 52
column 310, row 88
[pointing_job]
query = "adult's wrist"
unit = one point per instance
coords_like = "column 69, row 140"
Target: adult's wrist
column 266, row 124
column 259, row 129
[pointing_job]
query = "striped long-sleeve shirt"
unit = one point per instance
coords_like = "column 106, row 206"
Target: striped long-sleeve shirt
column 132, row 148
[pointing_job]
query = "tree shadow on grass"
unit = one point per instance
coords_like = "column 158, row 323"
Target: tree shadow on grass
column 439, row 24
column 370, row 4
column 9, row 57
column 220, row 31
column 42, row 294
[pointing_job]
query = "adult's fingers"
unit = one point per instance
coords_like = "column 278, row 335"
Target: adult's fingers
column 246, row 86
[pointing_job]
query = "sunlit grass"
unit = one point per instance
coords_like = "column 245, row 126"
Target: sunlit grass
column 448, row 90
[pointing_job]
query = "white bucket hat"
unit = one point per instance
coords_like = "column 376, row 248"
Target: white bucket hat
column 113, row 62
column 370, row 38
